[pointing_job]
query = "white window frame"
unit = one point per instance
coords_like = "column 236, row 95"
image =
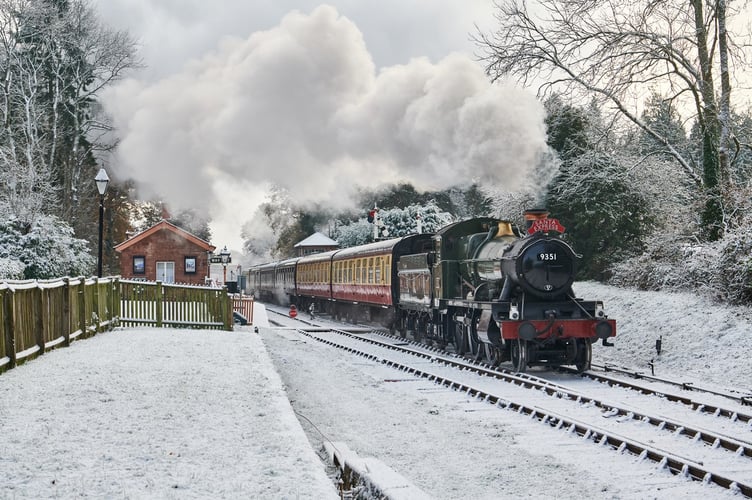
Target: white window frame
column 166, row 271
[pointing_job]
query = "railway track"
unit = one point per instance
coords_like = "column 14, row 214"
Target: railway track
column 695, row 404
column 450, row 371
column 633, row 383
column 730, row 394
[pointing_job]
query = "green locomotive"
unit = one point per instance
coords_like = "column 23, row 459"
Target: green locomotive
column 500, row 295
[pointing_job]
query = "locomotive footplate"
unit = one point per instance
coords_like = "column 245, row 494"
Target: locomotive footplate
column 566, row 328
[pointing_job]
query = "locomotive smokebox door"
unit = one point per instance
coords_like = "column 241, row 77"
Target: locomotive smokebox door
column 542, row 266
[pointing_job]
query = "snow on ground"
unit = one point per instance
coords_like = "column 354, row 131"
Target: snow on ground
column 702, row 340
column 154, row 413
column 147, row 413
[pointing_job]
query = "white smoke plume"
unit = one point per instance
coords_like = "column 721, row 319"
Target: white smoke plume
column 303, row 106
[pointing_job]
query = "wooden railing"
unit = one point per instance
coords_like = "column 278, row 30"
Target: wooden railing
column 36, row 316
column 181, row 306
column 243, row 304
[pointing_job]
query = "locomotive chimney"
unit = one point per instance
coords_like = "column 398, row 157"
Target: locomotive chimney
column 533, row 215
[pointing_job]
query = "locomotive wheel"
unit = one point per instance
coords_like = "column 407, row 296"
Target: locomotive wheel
column 460, row 341
column 493, row 356
column 402, row 330
column 584, row 355
column 520, row 352
column 474, row 345
column 418, row 331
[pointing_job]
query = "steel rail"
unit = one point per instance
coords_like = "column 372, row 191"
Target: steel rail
column 745, row 399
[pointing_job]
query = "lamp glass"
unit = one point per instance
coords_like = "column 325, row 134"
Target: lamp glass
column 102, row 180
column 224, row 255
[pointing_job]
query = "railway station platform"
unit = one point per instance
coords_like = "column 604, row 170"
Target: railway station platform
column 155, row 413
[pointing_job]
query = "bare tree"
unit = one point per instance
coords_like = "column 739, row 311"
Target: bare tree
column 620, row 51
column 25, row 180
column 55, row 58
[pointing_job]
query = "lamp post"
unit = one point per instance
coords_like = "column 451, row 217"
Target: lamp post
column 102, row 180
column 224, row 255
column 209, row 260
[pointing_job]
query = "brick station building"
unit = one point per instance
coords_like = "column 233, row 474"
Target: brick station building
column 166, row 253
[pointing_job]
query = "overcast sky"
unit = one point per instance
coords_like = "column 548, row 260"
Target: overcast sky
column 238, row 94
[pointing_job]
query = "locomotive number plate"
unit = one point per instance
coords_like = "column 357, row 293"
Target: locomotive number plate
column 548, row 256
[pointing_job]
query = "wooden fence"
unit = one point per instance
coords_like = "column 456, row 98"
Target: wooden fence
column 180, row 306
column 36, row 316
column 243, row 304
column 39, row 315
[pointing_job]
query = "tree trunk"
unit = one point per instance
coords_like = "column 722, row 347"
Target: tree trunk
column 712, row 215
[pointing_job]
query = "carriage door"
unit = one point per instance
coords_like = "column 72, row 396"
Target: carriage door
column 438, row 268
column 166, row 272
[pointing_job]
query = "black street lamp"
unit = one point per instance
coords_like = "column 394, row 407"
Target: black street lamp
column 224, row 255
column 101, row 180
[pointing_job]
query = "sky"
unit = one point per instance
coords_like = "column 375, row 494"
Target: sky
column 236, row 96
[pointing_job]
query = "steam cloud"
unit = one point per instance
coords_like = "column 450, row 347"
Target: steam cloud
column 303, row 106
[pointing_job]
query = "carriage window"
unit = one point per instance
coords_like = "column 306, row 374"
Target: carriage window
column 370, row 270
column 378, row 270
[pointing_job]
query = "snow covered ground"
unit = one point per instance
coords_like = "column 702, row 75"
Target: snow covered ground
column 154, row 413
column 147, row 413
column 702, row 340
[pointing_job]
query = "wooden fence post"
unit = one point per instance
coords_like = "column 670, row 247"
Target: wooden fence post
column 66, row 312
column 159, row 304
column 116, row 301
column 95, row 306
column 10, row 335
column 82, row 306
column 226, row 304
column 39, row 317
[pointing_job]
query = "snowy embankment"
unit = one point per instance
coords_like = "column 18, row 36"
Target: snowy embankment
column 701, row 340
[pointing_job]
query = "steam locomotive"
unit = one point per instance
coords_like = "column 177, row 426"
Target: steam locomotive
column 476, row 284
